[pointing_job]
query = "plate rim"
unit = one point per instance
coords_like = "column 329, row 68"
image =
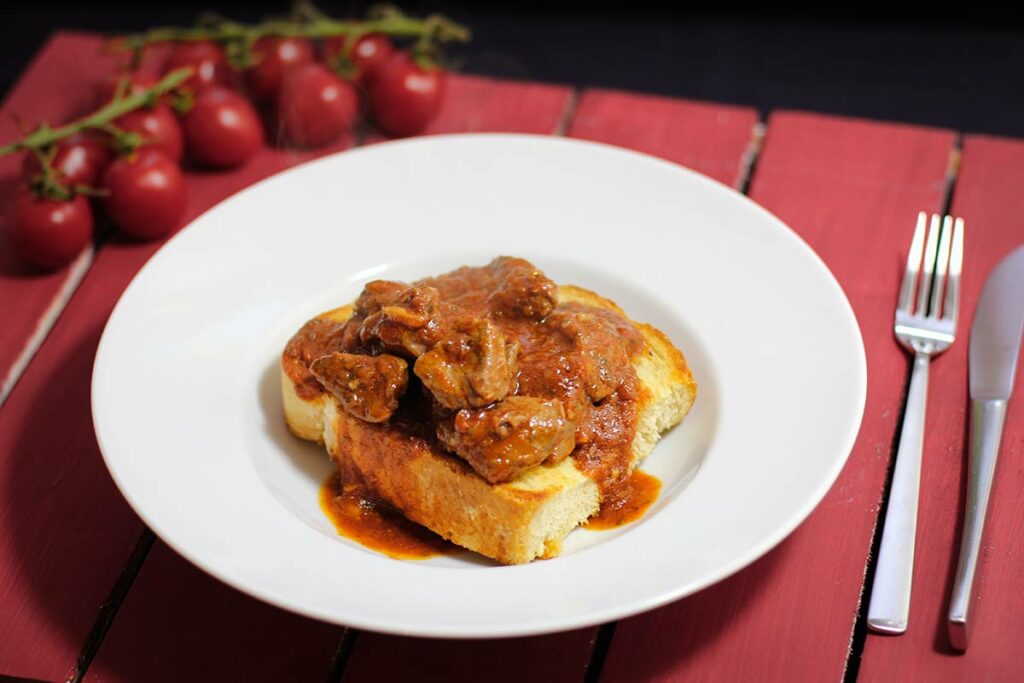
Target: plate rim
column 537, row 626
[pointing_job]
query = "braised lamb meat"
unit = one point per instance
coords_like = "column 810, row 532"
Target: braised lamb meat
column 598, row 353
column 511, row 378
column 397, row 318
column 470, row 368
column 367, row 386
column 501, row 441
column 522, row 289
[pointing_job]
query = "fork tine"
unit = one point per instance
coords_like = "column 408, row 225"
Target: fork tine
column 951, row 307
column 928, row 266
column 913, row 264
column 941, row 264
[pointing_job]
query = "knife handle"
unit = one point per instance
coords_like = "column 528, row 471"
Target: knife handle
column 987, row 418
column 889, row 609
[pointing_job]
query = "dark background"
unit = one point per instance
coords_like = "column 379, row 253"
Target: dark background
column 959, row 67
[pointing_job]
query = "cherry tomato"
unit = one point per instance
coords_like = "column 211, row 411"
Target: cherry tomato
column 315, row 106
column 369, row 52
column 137, row 81
column 49, row 233
column 158, row 127
column 146, row 193
column 80, row 160
column 404, row 96
column 274, row 58
column 209, row 65
column 222, row 129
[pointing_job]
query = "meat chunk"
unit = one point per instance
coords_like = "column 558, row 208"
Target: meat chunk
column 378, row 293
column 471, row 367
column 396, row 318
column 522, row 290
column 367, row 386
column 599, row 357
column 509, row 437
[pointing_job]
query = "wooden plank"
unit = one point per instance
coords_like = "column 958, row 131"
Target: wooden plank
column 710, row 138
column 852, row 189
column 180, row 624
column 68, row 64
column 167, row 586
column 988, row 196
column 675, row 127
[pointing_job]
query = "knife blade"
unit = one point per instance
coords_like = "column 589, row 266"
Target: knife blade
column 996, row 332
column 994, row 349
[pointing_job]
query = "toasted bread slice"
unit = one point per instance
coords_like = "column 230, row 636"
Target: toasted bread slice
column 512, row 522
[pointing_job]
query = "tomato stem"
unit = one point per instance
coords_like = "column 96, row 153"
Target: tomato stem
column 43, row 136
column 312, row 23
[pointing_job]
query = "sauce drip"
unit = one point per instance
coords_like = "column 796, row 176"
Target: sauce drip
column 377, row 526
column 640, row 491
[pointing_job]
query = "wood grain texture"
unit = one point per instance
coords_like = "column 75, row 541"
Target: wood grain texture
column 565, row 656
column 852, row 190
column 180, row 624
column 710, row 138
column 988, row 196
column 484, row 105
column 68, row 64
column 557, row 657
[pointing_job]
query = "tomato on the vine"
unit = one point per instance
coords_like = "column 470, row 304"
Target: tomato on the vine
column 159, row 128
column 405, row 96
column 274, row 58
column 49, row 233
column 146, row 193
column 315, row 106
column 222, row 129
column 209, row 64
column 80, row 159
column 369, row 52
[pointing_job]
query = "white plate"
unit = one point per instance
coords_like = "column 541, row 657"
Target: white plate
column 185, row 386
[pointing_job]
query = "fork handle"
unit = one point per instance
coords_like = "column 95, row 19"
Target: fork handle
column 890, row 593
column 987, row 418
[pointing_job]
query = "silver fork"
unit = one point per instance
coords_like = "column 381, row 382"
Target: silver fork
column 926, row 326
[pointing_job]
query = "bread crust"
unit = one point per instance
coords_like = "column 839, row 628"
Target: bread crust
column 513, row 522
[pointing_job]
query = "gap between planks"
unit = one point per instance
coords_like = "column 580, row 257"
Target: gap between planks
column 76, row 273
column 859, row 632
column 109, row 608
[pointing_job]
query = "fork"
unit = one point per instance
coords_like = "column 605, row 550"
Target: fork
column 925, row 325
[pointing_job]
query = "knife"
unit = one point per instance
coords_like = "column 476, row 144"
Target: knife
column 995, row 342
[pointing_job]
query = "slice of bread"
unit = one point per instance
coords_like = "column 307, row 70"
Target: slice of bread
column 512, row 522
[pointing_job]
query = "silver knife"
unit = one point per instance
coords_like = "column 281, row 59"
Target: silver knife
column 995, row 342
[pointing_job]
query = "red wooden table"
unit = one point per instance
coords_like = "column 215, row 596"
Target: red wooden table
column 87, row 592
